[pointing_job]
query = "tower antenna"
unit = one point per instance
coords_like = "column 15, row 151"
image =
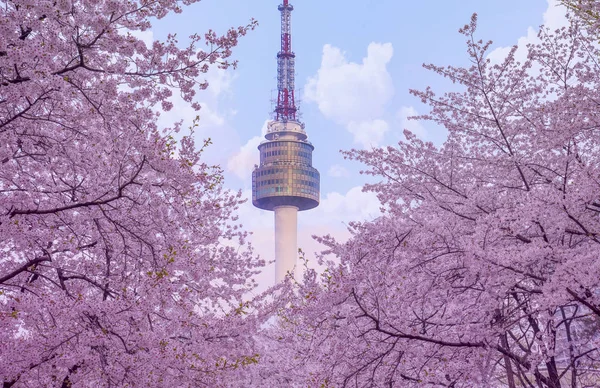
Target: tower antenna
column 286, row 105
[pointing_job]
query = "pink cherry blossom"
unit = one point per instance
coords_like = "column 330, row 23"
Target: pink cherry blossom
column 120, row 261
column 483, row 270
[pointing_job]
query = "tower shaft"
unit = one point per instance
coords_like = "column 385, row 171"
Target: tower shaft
column 286, row 241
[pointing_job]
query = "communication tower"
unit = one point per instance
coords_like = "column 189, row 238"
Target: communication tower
column 285, row 181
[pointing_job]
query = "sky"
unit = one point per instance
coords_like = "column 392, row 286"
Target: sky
column 355, row 64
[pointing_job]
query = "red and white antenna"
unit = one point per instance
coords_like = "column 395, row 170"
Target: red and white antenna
column 286, row 105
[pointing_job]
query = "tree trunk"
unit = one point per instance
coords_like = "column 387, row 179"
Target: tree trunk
column 510, row 376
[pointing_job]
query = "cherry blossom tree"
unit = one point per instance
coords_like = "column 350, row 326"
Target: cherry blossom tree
column 586, row 10
column 483, row 270
column 120, row 260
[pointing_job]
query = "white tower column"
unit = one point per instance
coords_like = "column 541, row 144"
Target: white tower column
column 286, row 241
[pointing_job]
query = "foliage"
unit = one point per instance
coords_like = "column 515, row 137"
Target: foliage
column 119, row 260
column 483, row 270
column 585, row 10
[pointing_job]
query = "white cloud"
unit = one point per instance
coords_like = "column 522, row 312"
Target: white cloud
column 338, row 171
column 412, row 125
column 330, row 217
column 219, row 81
column 347, row 91
column 145, row 36
column 354, row 94
column 242, row 162
column 498, row 55
column 368, row 133
column 337, row 209
column 555, row 15
column 554, row 18
column 251, row 217
column 209, row 117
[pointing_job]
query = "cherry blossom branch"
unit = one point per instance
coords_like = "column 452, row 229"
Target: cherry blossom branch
column 378, row 328
column 25, row 267
column 96, row 202
column 587, row 304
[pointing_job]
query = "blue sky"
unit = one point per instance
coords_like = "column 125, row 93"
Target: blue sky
column 355, row 62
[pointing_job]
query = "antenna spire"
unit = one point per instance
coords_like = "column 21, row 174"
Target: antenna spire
column 286, row 105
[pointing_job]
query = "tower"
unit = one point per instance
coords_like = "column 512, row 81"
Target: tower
column 285, row 182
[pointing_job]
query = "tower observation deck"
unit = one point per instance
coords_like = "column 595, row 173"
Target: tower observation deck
column 285, row 181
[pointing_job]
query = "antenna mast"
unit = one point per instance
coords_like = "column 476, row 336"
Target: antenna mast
column 286, row 105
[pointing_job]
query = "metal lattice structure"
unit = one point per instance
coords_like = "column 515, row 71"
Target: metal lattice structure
column 286, row 104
